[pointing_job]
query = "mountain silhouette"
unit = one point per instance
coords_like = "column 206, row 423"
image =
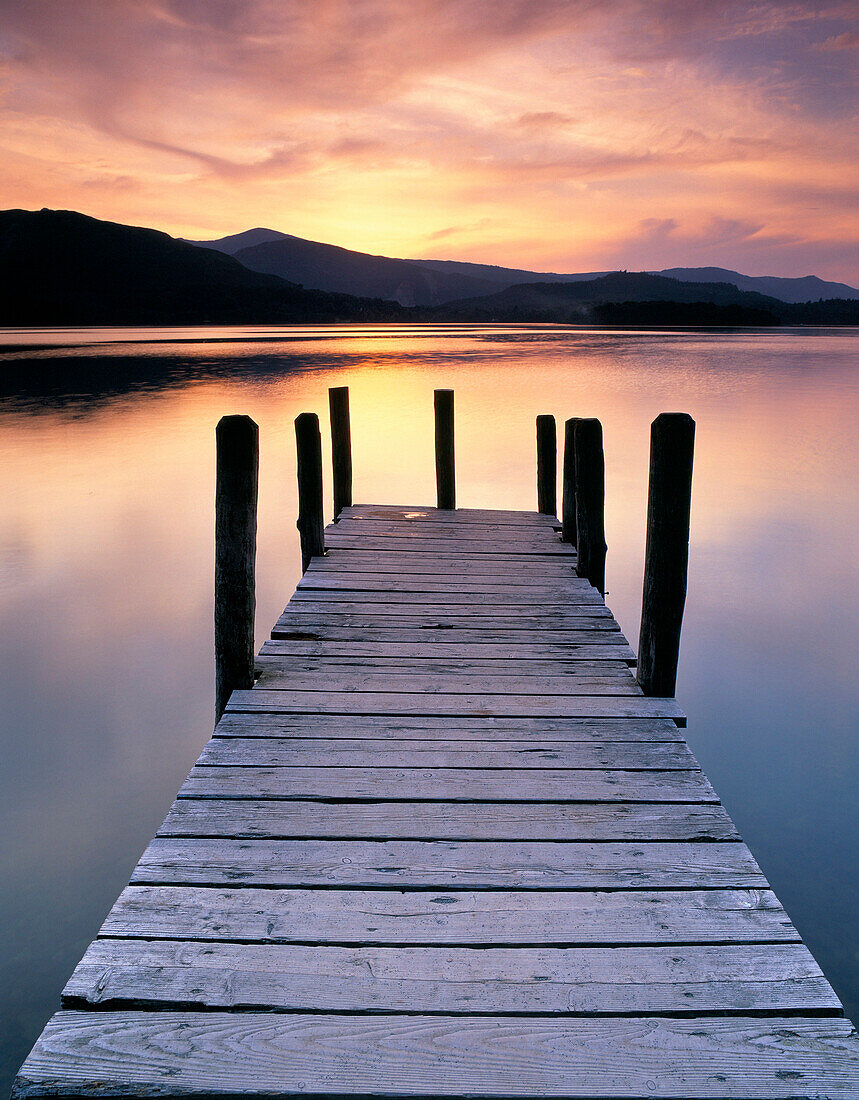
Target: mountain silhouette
column 329, row 267
column 237, row 241
column 639, row 298
column 62, row 267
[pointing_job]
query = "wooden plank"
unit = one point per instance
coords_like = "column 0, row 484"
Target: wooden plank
column 293, row 752
column 149, row 1054
column 361, row 588
column 476, row 567
column 529, row 706
column 452, row 617
column 424, row 514
column 444, row 547
column 446, row 864
column 430, row 633
column 448, row 784
column 455, row 917
column 335, row 605
column 422, row 727
column 502, row 534
column 520, row 654
column 412, row 584
column 286, row 660
column 448, row 820
column 273, row 677
column 458, row 671
column 735, row 979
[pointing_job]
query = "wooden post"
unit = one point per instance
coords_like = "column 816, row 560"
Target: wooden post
column 308, row 443
column 236, row 484
column 547, row 466
column 445, row 475
column 590, row 502
column 568, row 495
column 672, row 443
column 341, row 447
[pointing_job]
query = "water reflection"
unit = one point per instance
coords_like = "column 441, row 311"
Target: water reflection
column 106, row 528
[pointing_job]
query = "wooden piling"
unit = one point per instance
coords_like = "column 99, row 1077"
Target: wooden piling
column 547, row 465
column 568, row 492
column 444, row 449
column 308, row 443
column 590, row 502
column 237, row 479
column 672, row 442
column 341, row 447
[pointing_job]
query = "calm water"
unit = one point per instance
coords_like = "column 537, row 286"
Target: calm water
column 106, row 530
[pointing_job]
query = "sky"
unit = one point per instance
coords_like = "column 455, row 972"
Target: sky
column 559, row 135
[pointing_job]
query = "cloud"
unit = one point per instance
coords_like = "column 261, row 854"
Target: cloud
column 847, row 40
column 506, row 122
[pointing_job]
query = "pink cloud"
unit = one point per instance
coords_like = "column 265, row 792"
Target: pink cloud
column 664, row 124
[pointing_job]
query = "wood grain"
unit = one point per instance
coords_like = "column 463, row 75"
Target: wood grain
column 735, row 979
column 265, row 1054
column 448, row 820
column 442, row 864
column 458, row 916
column 448, row 784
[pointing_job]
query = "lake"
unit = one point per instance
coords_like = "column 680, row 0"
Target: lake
column 106, row 551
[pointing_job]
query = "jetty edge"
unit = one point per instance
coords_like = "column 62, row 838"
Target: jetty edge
column 451, row 841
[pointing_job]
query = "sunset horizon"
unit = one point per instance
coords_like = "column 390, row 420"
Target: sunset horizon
column 429, row 596
column 553, row 137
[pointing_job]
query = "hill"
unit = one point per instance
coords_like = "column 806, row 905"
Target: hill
column 64, row 268
column 237, row 241
column 639, row 298
column 431, row 282
column 805, row 289
column 329, row 267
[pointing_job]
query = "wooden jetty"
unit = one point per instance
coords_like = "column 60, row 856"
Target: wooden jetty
column 447, row 844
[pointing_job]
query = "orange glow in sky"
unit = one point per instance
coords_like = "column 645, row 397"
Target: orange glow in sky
column 562, row 135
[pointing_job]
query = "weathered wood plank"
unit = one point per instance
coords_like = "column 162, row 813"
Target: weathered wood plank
column 533, row 613
column 448, row 785
column 529, row 706
column 410, row 585
column 454, row 917
column 477, row 567
column 443, row 547
column 424, row 514
column 285, row 659
column 502, row 534
column 359, row 617
column 426, row 727
column 442, row 593
column 463, row 669
column 734, row 979
column 274, row 1054
column 588, row 682
column 446, row 864
column 388, row 653
column 429, row 633
column 337, row 753
column 449, row 820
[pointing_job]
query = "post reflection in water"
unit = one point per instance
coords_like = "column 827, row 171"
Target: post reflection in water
column 106, row 558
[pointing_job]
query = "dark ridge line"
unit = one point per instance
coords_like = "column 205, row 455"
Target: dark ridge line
column 339, row 799
column 487, row 945
column 459, row 888
column 382, row 839
column 480, row 744
column 452, row 768
column 134, row 1004
column 435, row 887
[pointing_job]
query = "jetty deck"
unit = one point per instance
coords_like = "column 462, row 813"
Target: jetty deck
column 446, row 847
